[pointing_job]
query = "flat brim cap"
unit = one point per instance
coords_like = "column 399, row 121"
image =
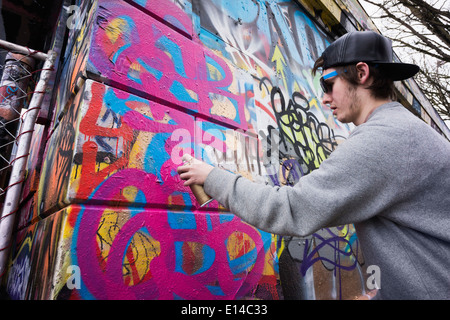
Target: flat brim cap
column 369, row 47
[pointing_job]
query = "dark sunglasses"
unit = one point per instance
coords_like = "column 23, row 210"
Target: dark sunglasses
column 328, row 87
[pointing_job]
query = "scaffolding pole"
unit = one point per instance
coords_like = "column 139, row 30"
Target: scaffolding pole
column 12, row 197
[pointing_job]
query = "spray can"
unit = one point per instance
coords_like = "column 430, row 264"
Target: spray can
column 199, row 193
column 202, row 198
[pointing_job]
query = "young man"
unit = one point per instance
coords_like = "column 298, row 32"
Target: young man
column 390, row 178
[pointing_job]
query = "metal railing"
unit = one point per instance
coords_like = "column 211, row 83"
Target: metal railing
column 19, row 109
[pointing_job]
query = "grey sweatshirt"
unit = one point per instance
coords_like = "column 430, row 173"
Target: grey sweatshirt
column 390, row 178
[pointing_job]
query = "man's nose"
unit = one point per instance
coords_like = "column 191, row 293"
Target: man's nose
column 326, row 99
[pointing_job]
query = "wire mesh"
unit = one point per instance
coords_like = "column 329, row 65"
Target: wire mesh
column 16, row 88
column 19, row 109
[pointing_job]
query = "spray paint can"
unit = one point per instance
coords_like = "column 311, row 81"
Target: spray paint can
column 202, row 198
column 200, row 194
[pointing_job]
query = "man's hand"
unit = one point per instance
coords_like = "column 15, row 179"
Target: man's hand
column 368, row 296
column 193, row 171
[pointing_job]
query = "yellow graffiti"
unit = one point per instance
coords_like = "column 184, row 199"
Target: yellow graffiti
column 239, row 243
column 115, row 29
column 278, row 58
column 141, row 251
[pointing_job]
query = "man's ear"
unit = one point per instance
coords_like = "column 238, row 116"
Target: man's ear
column 363, row 72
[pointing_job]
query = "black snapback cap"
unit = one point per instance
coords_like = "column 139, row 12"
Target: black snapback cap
column 369, row 47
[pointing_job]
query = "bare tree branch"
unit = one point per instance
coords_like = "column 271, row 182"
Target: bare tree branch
column 421, row 29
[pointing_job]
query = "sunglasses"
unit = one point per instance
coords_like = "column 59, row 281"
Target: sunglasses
column 328, row 87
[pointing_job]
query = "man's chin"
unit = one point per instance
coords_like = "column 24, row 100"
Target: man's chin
column 341, row 119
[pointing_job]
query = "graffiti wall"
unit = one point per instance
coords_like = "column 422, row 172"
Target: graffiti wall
column 144, row 82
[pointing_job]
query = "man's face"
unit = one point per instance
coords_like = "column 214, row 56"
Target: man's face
column 342, row 98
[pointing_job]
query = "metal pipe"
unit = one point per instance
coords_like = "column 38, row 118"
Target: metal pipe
column 23, row 50
column 12, row 197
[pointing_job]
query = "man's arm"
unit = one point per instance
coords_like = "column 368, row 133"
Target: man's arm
column 352, row 185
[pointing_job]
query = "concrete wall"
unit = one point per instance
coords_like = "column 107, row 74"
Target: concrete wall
column 107, row 217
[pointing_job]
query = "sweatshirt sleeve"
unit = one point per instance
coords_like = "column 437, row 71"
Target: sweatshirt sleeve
column 350, row 186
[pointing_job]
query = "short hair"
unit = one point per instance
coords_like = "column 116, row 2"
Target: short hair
column 382, row 86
